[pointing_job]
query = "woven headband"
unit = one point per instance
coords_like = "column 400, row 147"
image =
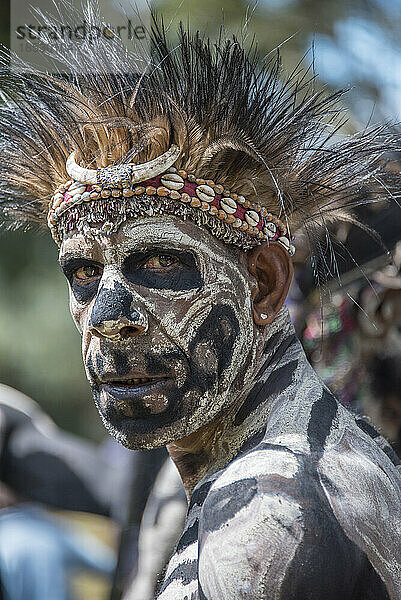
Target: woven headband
column 158, row 178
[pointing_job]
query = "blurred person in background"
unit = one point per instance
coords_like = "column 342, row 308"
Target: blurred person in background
column 42, row 467
column 354, row 339
column 45, row 470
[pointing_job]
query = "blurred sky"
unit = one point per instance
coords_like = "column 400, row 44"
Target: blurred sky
column 357, row 45
column 360, row 53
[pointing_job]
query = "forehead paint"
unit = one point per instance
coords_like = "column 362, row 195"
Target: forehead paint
column 162, row 232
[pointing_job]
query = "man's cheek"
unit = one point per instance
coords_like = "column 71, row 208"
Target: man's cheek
column 95, row 361
column 211, row 349
column 78, row 313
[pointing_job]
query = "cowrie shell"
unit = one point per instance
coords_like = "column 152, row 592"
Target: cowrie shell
column 229, row 205
column 205, row 193
column 76, row 185
column 172, row 181
column 74, row 190
column 291, row 250
column 237, row 223
column 57, row 200
column 285, row 241
column 252, row 217
column 162, row 191
column 270, row 230
column 86, row 196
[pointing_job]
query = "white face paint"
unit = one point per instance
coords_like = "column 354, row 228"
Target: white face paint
column 162, row 301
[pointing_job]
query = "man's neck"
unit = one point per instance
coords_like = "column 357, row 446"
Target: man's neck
column 242, row 425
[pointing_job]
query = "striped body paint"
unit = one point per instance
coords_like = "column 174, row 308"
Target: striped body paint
column 308, row 508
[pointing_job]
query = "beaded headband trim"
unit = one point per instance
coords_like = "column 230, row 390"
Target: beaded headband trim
column 186, row 189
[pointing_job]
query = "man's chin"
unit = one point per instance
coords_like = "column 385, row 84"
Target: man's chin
column 134, row 422
column 136, row 441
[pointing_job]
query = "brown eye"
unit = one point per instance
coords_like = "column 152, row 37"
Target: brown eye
column 161, row 261
column 87, row 274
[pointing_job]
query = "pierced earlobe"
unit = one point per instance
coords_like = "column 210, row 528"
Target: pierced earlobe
column 272, row 268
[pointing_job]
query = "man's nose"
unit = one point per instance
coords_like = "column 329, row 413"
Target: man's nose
column 116, row 314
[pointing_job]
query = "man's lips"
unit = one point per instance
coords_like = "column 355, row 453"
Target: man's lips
column 133, row 381
column 134, row 388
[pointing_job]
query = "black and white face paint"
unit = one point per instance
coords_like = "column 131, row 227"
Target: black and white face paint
column 164, row 310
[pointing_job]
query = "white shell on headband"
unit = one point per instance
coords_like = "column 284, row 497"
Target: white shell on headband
column 137, row 173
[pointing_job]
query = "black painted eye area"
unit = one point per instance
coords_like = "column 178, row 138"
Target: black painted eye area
column 84, row 276
column 163, row 269
column 87, row 274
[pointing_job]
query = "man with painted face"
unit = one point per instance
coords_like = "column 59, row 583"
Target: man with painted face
column 172, row 196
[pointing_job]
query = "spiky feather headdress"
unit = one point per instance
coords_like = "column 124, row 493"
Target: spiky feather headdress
column 235, row 120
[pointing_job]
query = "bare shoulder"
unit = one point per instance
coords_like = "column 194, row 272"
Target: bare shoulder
column 361, row 457
column 360, row 475
column 362, row 483
column 250, row 486
column 277, row 520
column 250, row 521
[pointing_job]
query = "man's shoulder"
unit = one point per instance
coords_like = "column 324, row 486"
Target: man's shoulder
column 246, row 520
column 252, row 486
column 360, row 457
column 361, row 474
column 264, row 518
column 283, row 472
column 275, row 510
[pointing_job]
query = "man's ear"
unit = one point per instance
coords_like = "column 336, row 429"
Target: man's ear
column 271, row 266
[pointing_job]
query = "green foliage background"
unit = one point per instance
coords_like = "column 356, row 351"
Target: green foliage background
column 39, row 346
